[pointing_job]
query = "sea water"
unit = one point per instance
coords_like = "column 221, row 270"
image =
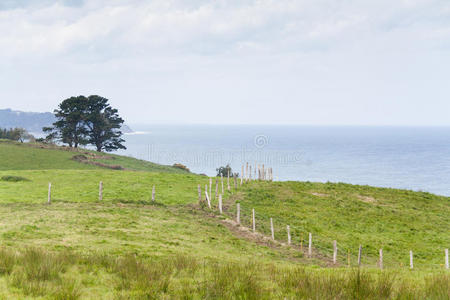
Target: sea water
column 415, row 158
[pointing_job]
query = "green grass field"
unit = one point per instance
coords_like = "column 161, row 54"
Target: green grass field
column 127, row 247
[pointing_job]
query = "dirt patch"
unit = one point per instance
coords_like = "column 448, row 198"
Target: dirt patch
column 366, row 199
column 82, row 158
column 319, row 194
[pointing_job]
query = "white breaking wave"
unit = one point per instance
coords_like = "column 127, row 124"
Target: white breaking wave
column 138, row 133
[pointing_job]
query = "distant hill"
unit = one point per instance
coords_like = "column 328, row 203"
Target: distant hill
column 31, row 121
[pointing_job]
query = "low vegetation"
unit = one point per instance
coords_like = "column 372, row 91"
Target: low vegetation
column 68, row 275
column 129, row 247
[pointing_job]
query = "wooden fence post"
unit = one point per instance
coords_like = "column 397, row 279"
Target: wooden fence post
column 210, row 186
column 221, row 179
column 49, row 198
column 271, row 229
column 335, row 251
column 381, row 259
column 359, row 255
column 207, row 197
column 153, row 194
column 220, row 203
column 199, row 194
column 246, row 172
column 310, row 245
column 411, row 263
column 238, row 213
column 100, row 191
column 263, row 173
column 217, row 188
column 288, row 229
column 446, row 258
column 253, row 220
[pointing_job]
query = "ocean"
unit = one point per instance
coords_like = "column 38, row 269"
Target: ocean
column 414, row 158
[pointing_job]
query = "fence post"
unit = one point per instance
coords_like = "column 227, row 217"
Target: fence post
column 220, row 203
column 49, row 199
column 253, row 220
column 238, row 213
column 310, row 245
column 246, row 172
column 210, row 186
column 359, row 255
column 153, row 194
column 221, row 179
column 446, row 258
column 207, row 197
column 288, row 234
column 100, row 191
column 381, row 259
column 271, row 229
column 335, row 251
column 199, row 194
column 217, row 188
column 411, row 263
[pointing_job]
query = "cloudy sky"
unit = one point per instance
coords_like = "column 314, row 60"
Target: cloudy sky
column 344, row 62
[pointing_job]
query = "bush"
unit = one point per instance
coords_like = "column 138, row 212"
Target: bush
column 181, row 167
column 14, row 178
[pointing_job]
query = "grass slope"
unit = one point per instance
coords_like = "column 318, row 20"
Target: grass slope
column 126, row 247
column 396, row 220
column 29, row 156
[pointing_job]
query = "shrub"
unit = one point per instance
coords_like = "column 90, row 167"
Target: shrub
column 14, row 178
column 181, row 167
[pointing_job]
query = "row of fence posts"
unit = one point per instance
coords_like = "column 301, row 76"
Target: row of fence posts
column 265, row 174
column 260, row 173
column 100, row 192
column 335, row 248
column 268, row 173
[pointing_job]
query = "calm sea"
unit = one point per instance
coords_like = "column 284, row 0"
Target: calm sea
column 416, row 158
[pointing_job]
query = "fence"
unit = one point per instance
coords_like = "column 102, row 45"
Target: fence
column 313, row 247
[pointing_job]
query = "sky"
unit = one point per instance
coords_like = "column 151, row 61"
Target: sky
column 309, row 62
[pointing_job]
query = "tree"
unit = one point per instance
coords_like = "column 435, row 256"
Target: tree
column 70, row 126
column 224, row 171
column 16, row 134
column 103, row 123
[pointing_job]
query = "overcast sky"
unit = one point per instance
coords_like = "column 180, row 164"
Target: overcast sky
column 320, row 62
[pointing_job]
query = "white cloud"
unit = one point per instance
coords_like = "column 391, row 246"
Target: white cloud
column 317, row 56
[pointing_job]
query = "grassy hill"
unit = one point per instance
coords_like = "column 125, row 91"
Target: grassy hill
column 127, row 247
column 30, row 156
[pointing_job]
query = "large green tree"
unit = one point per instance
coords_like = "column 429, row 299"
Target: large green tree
column 70, row 127
column 87, row 120
column 103, row 123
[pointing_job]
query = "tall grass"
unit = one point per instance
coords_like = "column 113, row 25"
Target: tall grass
column 36, row 272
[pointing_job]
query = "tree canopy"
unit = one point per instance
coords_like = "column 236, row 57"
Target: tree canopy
column 15, row 134
column 87, row 120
